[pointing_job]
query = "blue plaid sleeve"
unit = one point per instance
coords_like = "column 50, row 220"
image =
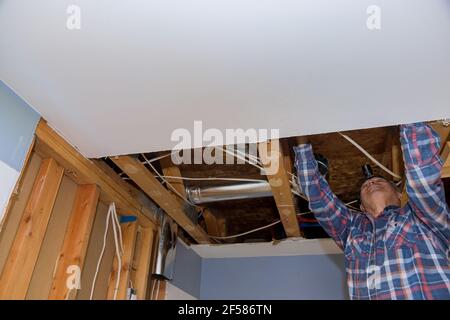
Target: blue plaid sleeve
column 421, row 146
column 330, row 212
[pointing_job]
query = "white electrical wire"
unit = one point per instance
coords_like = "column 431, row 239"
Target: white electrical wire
column 242, row 158
column 119, row 251
column 111, row 216
column 167, row 182
column 250, row 156
column 160, row 157
column 368, row 155
column 266, row 226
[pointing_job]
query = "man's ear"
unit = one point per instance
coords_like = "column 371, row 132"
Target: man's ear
column 362, row 208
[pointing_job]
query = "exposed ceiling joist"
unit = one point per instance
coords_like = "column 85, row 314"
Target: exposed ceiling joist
column 167, row 201
column 172, row 170
column 274, row 161
column 446, row 158
column 85, row 171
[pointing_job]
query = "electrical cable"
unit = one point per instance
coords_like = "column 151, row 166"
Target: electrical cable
column 242, row 158
column 167, row 183
column 264, row 227
column 111, row 216
column 368, row 155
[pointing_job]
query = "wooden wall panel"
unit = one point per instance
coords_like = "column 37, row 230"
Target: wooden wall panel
column 76, row 239
column 142, row 263
column 12, row 217
column 17, row 272
column 54, row 236
column 92, row 255
column 129, row 240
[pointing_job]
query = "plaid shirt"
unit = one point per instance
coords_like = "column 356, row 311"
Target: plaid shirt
column 404, row 253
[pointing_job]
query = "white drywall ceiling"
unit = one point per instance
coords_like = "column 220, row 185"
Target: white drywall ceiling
column 137, row 70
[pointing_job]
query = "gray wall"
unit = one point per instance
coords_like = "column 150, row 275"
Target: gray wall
column 187, row 270
column 17, row 124
column 291, row 277
column 286, row 277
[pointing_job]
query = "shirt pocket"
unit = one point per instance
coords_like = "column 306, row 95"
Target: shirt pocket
column 358, row 246
column 400, row 234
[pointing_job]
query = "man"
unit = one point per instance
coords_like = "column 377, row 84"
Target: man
column 391, row 252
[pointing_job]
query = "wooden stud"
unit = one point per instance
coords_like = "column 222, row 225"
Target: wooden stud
column 443, row 131
column 445, row 172
column 170, row 169
column 167, row 201
column 144, row 262
column 73, row 251
column 85, row 171
column 445, row 155
column 273, row 160
column 161, row 293
column 212, row 225
column 129, row 239
column 18, row 270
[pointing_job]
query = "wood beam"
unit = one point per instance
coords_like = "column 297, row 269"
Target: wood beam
column 273, row 160
column 73, row 250
column 212, row 224
column 24, row 252
column 129, row 240
column 445, row 172
column 170, row 169
column 167, row 201
column 146, row 236
column 85, row 171
column 445, row 155
column 443, row 131
column 147, row 219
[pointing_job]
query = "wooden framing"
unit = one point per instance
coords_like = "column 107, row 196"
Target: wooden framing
column 76, row 240
column 170, row 169
column 272, row 156
column 129, row 231
column 445, row 155
column 167, row 201
column 143, row 264
column 18, row 270
column 85, row 171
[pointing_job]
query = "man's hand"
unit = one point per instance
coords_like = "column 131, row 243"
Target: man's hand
column 302, row 140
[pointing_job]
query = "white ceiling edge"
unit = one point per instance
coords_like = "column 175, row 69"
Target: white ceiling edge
column 138, row 70
column 288, row 247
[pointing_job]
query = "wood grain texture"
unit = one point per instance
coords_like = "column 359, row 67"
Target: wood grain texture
column 24, row 252
column 76, row 240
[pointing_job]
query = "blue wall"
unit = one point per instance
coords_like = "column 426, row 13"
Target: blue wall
column 17, row 125
column 287, row 277
column 290, row 277
column 187, row 270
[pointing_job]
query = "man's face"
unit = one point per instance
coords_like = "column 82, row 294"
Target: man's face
column 376, row 194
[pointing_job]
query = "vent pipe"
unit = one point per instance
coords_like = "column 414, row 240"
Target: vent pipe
column 198, row 195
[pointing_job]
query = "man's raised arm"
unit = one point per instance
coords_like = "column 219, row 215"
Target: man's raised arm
column 330, row 212
column 420, row 146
